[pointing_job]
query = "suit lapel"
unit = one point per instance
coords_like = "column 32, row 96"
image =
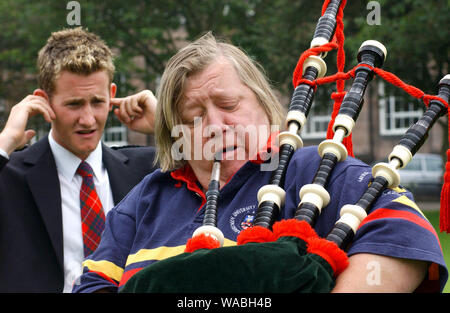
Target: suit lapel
column 118, row 172
column 42, row 178
column 43, row 181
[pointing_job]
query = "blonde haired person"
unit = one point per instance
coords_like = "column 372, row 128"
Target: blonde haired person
column 193, row 59
column 42, row 243
column 210, row 92
column 74, row 50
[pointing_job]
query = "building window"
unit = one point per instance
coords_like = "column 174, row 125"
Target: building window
column 319, row 115
column 398, row 111
column 316, row 126
column 115, row 136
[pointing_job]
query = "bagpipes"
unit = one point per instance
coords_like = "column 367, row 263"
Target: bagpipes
column 288, row 256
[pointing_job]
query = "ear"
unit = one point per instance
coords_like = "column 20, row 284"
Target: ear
column 41, row 93
column 112, row 93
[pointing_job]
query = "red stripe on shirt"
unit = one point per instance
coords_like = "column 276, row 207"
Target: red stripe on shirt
column 127, row 275
column 104, row 276
column 405, row 215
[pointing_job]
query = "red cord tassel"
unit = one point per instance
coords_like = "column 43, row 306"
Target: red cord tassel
column 255, row 234
column 444, row 216
column 201, row 241
column 330, row 252
column 294, row 228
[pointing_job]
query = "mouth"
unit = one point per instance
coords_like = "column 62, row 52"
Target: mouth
column 230, row 148
column 86, row 132
column 227, row 151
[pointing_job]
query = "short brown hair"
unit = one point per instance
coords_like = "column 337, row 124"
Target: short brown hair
column 75, row 50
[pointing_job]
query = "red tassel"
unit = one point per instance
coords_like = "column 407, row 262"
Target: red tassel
column 330, row 252
column 255, row 234
column 347, row 142
column 294, row 228
column 444, row 217
column 201, row 241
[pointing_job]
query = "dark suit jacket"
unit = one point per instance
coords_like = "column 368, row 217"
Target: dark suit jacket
column 31, row 238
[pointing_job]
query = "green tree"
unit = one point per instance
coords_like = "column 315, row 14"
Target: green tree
column 417, row 36
column 25, row 26
column 145, row 33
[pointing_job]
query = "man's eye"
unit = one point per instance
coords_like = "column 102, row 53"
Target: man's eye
column 193, row 121
column 188, row 121
column 229, row 106
column 98, row 101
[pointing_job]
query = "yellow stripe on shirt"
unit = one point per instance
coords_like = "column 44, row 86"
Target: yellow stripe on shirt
column 106, row 267
column 162, row 253
column 408, row 202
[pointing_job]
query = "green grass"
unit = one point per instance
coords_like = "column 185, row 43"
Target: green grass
column 444, row 238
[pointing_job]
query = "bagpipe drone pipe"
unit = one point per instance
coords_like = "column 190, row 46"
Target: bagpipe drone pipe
column 313, row 263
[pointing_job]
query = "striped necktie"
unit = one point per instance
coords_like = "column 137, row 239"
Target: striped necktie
column 92, row 216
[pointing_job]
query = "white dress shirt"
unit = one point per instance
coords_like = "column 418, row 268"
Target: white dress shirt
column 67, row 164
column 4, row 154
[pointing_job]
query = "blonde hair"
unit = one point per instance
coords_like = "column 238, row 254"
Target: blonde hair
column 190, row 60
column 75, row 50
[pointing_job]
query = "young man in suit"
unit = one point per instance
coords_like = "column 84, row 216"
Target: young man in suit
column 42, row 243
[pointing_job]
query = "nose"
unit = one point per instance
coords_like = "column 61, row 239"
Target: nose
column 86, row 118
column 215, row 121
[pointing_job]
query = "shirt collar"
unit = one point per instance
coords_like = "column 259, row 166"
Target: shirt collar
column 268, row 150
column 67, row 163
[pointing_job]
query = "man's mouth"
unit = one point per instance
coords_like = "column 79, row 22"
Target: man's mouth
column 86, row 132
column 227, row 151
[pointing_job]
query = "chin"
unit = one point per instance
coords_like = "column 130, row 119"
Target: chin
column 232, row 166
column 83, row 151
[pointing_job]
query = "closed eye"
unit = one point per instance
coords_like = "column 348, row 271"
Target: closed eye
column 191, row 114
column 192, row 122
column 226, row 103
column 228, row 106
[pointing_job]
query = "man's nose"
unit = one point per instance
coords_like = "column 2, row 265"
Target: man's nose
column 86, row 118
column 215, row 120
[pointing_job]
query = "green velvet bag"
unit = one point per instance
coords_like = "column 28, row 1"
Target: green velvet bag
column 281, row 266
